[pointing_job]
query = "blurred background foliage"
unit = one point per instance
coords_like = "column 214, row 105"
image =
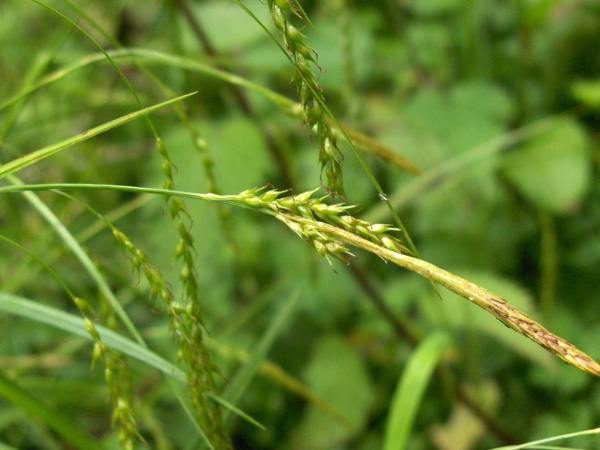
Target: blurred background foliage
column 498, row 104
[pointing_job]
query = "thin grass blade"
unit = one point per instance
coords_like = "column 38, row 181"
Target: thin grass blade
column 83, row 257
column 70, row 323
column 43, row 153
column 536, row 444
column 244, row 376
column 411, row 388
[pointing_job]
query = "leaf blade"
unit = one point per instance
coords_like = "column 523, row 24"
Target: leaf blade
column 43, row 153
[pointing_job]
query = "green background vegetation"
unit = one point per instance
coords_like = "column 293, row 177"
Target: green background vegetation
column 497, row 103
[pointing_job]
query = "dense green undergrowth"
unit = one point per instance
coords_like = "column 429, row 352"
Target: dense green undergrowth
column 189, row 271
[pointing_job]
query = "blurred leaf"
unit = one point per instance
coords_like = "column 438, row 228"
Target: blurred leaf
column 241, row 157
column 464, row 428
column 587, row 92
column 483, row 98
column 431, row 43
column 434, row 7
column 7, row 447
column 338, row 376
column 587, row 254
column 213, row 15
column 329, row 47
column 468, row 115
column 552, row 169
column 326, row 295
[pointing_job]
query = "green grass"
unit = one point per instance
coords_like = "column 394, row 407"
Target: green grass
column 148, row 298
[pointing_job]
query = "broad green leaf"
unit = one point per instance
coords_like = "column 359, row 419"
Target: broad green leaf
column 241, row 156
column 214, row 15
column 587, row 92
column 483, row 98
column 461, row 119
column 338, row 376
column 553, row 169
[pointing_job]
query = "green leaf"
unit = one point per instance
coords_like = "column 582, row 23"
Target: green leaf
column 485, row 99
column 244, row 34
column 7, row 447
column 429, row 8
column 411, row 388
column 241, row 156
column 553, row 169
column 587, row 92
column 459, row 119
column 338, row 376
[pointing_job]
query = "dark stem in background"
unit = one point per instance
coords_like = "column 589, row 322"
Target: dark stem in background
column 548, row 265
column 277, row 153
column 362, row 279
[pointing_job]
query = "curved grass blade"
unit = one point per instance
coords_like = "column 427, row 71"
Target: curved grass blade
column 99, row 46
column 411, row 388
column 70, row 323
column 243, row 377
column 19, row 306
column 140, row 55
column 536, row 444
column 83, row 257
column 38, row 66
column 236, row 411
column 38, row 155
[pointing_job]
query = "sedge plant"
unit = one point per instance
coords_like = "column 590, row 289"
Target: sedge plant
column 206, row 377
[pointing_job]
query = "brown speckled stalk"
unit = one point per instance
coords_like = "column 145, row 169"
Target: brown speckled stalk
column 494, row 304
